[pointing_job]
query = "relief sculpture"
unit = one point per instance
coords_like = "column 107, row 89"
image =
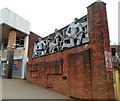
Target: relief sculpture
column 74, row 34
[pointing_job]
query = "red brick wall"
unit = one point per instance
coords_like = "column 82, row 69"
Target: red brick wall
column 99, row 38
column 32, row 38
column 80, row 71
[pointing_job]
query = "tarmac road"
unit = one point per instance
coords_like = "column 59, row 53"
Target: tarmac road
column 21, row 89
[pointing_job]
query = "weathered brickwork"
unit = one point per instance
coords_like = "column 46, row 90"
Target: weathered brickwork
column 79, row 71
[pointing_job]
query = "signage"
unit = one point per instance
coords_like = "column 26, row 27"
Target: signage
column 108, row 60
column 16, row 64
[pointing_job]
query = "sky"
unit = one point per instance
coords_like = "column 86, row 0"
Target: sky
column 47, row 15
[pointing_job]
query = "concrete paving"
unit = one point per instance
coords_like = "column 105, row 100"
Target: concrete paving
column 21, row 89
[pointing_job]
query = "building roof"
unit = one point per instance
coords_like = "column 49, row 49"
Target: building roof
column 14, row 21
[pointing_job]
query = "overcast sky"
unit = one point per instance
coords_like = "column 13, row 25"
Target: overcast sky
column 46, row 15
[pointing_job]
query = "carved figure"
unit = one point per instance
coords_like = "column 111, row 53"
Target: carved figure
column 50, row 45
column 55, row 45
column 35, row 50
column 40, row 47
column 74, row 33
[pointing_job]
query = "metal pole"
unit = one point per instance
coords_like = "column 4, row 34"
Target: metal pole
column 117, row 83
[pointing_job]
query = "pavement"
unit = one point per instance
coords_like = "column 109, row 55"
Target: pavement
column 21, row 89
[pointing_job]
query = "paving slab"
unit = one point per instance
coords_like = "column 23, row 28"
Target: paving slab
column 21, row 89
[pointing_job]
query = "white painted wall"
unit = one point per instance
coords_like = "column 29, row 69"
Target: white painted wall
column 0, row 33
column 25, row 56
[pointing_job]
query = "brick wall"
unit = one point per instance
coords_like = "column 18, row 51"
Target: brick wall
column 79, row 71
column 32, row 39
column 99, row 36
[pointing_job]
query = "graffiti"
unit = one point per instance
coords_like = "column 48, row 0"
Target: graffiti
column 72, row 35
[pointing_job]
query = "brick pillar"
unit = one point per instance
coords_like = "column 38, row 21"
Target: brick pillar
column 102, row 82
column 10, row 54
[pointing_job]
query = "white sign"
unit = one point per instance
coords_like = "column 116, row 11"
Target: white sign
column 108, row 60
